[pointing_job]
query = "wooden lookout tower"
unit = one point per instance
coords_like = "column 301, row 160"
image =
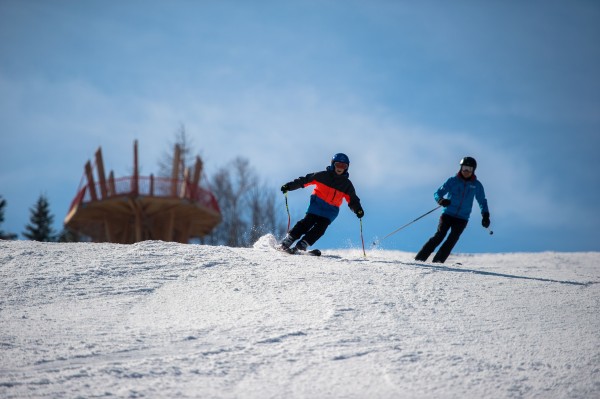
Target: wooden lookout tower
column 136, row 208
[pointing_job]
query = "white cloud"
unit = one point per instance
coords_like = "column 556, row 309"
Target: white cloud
column 284, row 133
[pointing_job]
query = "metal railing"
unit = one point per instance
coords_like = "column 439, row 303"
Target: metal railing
column 160, row 187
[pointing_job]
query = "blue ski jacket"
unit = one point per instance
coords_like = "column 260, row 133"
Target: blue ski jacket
column 461, row 193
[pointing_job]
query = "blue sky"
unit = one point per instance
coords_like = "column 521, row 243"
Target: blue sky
column 405, row 89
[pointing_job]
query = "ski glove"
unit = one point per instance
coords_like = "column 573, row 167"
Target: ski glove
column 485, row 221
column 360, row 213
column 285, row 188
column 444, row 202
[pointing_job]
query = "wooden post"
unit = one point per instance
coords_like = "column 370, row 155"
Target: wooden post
column 138, row 219
column 111, row 183
column 107, row 230
column 196, row 180
column 90, row 177
column 175, row 171
column 136, row 172
column 101, row 176
column 184, row 238
column 184, row 193
column 125, row 234
column 170, row 226
column 151, row 185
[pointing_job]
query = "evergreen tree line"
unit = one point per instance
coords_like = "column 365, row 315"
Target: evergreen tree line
column 39, row 227
column 249, row 208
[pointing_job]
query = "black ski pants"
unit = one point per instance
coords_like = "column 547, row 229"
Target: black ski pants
column 456, row 227
column 312, row 227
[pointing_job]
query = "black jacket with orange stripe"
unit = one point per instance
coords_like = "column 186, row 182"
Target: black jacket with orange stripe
column 330, row 190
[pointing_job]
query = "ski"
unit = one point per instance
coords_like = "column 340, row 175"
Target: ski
column 312, row 252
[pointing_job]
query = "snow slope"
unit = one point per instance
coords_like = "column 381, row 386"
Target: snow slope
column 159, row 319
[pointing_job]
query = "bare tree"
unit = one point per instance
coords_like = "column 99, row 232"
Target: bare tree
column 247, row 207
column 264, row 211
column 165, row 165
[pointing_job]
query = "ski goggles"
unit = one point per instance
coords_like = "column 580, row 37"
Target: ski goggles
column 340, row 165
column 466, row 168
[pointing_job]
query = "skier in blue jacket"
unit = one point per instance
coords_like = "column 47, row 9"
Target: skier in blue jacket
column 460, row 190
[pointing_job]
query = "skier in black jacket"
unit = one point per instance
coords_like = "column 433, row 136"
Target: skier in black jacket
column 331, row 187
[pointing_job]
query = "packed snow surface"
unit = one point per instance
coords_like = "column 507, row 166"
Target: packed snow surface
column 158, row 319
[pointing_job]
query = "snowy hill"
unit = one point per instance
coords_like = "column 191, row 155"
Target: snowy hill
column 159, row 319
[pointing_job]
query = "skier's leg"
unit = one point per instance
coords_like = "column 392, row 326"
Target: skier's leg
column 458, row 226
column 299, row 229
column 317, row 230
column 434, row 241
column 302, row 226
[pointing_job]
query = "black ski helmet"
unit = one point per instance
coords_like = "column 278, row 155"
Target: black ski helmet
column 340, row 157
column 469, row 161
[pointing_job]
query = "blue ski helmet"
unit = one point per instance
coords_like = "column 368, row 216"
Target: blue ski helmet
column 340, row 157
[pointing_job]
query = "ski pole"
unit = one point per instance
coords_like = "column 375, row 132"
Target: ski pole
column 288, row 211
column 362, row 239
column 490, row 230
column 407, row 224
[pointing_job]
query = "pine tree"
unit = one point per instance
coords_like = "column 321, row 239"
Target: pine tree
column 3, row 235
column 40, row 222
column 2, row 205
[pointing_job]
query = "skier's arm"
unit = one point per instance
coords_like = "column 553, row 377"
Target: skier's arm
column 300, row 182
column 441, row 191
column 481, row 200
column 354, row 203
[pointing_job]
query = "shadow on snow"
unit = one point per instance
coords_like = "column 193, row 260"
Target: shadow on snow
column 484, row 273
